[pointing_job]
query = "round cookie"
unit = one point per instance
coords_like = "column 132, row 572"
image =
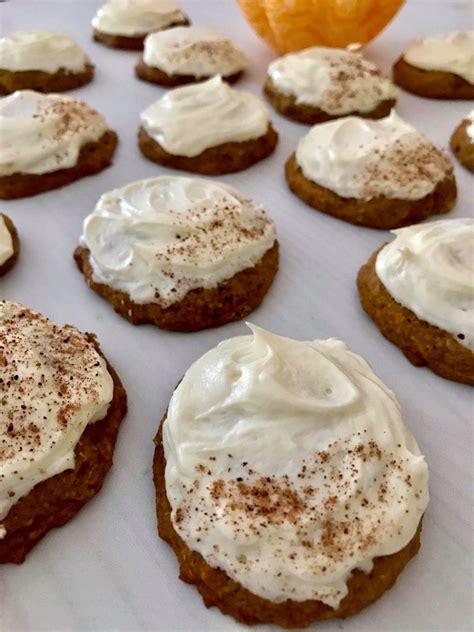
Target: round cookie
column 381, row 174
column 9, row 244
column 462, row 142
column 207, row 128
column 66, row 421
column 181, row 253
column 188, row 54
column 440, row 67
column 49, row 141
column 418, row 290
column 42, row 61
column 320, row 84
column 124, row 24
column 300, row 492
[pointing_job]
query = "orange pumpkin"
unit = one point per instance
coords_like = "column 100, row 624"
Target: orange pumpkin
column 289, row 25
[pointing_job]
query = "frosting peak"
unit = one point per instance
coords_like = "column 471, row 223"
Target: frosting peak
column 187, row 121
column 136, row 18
column 288, row 465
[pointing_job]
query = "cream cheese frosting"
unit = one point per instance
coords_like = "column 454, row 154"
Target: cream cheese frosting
column 186, row 121
column 158, row 239
column 44, row 132
column 136, row 18
column 41, row 50
column 361, row 158
column 6, row 242
column 429, row 268
column 453, row 53
column 335, row 80
column 288, row 465
column 53, row 384
column 193, row 50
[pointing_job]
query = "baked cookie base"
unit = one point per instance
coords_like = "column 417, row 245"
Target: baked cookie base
column 379, row 212
column 93, row 157
column 56, row 500
column 7, row 265
column 44, row 81
column 225, row 158
column 129, row 43
column 433, row 84
column 153, row 74
column 217, row 589
column 200, row 308
column 422, row 344
column 309, row 114
column 462, row 145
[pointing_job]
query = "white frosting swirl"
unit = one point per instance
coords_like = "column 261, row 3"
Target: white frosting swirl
column 453, row 52
column 288, row 466
column 193, row 50
column 158, row 239
column 334, row 80
column 187, row 121
column 41, row 50
column 361, row 158
column 429, row 268
column 44, row 132
column 136, row 18
column 6, row 242
column 470, row 127
column 53, row 383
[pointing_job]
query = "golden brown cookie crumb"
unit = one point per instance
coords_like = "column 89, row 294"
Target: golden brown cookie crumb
column 41, row 81
column 128, row 43
column 462, row 145
column 434, row 84
column 155, row 75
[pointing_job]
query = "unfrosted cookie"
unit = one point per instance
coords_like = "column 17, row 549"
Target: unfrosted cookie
column 187, row 54
column 181, row 253
column 49, row 141
column 287, row 482
column 462, row 141
column 126, row 23
column 207, row 128
column 440, row 67
column 381, row 174
column 319, row 84
column 62, row 405
column 9, row 244
column 42, row 61
column 419, row 289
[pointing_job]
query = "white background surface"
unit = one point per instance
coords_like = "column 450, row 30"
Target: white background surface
column 107, row 569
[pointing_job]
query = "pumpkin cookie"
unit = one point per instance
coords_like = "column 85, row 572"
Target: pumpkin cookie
column 418, row 290
column 187, row 54
column 462, row 142
column 207, row 128
column 125, row 23
column 9, row 244
column 381, row 174
column 181, row 253
column 59, row 420
column 319, row 84
column 439, row 67
column 287, row 483
column 48, row 142
column 42, row 61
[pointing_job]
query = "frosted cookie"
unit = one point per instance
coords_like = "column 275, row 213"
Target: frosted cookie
column 381, row 174
column 187, row 54
column 126, row 23
column 207, row 128
column 319, row 84
column 440, row 67
column 287, row 482
column 9, row 244
column 419, row 291
column 462, row 141
column 49, row 141
column 42, row 61
column 62, row 405
column 181, row 253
